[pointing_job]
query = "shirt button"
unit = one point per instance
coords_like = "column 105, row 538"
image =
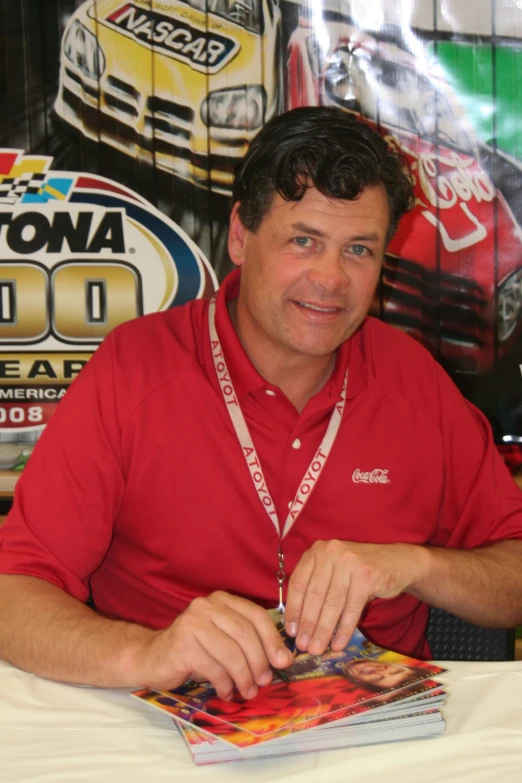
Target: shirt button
column 296, row 444
column 270, row 392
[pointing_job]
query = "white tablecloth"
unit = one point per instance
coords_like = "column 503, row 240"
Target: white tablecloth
column 51, row 733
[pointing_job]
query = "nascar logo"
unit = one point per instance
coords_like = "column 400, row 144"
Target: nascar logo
column 201, row 49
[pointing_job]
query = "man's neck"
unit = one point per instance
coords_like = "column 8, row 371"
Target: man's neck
column 298, row 377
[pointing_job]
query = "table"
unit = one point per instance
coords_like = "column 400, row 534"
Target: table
column 53, row 733
column 8, row 479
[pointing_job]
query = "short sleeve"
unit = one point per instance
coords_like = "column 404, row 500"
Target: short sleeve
column 481, row 503
column 60, row 525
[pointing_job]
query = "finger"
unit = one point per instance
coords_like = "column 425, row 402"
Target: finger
column 172, row 667
column 297, row 586
column 206, row 667
column 313, row 602
column 259, row 639
column 356, row 600
column 227, row 655
column 332, row 608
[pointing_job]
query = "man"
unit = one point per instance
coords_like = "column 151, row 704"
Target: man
column 206, row 453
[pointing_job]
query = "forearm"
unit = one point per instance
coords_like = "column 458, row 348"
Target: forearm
column 483, row 586
column 45, row 631
column 334, row 580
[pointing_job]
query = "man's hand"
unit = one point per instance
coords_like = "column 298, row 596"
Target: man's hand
column 333, row 582
column 227, row 640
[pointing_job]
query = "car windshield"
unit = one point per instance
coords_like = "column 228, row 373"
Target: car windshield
column 411, row 101
column 247, row 13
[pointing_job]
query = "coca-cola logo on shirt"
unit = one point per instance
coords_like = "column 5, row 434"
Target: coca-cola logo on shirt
column 376, row 476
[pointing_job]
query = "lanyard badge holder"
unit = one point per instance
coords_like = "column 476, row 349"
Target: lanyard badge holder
column 281, row 580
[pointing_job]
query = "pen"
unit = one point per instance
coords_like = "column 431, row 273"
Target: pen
column 281, row 674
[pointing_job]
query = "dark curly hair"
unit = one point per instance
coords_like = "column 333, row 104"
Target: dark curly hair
column 327, row 147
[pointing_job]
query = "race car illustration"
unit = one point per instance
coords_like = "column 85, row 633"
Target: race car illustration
column 452, row 275
column 182, row 84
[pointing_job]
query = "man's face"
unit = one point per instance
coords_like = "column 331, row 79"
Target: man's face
column 309, row 271
column 380, row 674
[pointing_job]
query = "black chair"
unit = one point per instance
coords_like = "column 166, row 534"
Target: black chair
column 453, row 639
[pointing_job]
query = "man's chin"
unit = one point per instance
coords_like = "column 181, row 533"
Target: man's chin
column 324, row 347
column 315, row 350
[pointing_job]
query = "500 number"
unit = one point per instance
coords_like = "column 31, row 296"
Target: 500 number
column 76, row 301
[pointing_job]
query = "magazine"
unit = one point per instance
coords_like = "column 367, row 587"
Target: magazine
column 360, row 694
column 207, row 749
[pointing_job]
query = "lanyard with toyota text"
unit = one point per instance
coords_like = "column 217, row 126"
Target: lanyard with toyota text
column 243, row 435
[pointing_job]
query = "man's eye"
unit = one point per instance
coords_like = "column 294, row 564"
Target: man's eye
column 303, row 241
column 359, row 250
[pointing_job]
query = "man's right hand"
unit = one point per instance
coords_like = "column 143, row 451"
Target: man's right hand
column 227, row 640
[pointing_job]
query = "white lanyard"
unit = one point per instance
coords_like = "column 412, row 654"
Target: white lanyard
column 243, row 435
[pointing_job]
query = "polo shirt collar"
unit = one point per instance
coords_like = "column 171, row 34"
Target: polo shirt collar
column 246, row 378
column 244, row 375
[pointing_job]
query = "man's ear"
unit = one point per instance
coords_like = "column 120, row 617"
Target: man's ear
column 236, row 237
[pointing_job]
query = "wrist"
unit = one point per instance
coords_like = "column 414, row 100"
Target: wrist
column 133, row 660
column 419, row 567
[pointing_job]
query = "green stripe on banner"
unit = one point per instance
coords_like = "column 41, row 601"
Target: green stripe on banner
column 509, row 92
column 469, row 69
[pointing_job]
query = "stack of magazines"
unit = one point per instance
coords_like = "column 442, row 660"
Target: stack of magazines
column 361, row 695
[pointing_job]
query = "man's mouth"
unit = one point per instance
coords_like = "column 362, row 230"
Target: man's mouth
column 318, row 308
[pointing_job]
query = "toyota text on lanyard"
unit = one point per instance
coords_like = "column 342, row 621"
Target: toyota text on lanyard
column 243, row 435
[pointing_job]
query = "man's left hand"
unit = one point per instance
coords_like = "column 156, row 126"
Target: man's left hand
column 333, row 582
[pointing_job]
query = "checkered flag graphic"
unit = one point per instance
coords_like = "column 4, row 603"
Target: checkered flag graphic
column 13, row 188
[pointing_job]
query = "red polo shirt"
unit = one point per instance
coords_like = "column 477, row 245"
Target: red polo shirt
column 138, row 488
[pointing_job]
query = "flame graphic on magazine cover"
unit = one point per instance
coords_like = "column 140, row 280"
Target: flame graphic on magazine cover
column 319, row 689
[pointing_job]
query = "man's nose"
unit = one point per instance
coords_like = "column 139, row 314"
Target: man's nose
column 328, row 271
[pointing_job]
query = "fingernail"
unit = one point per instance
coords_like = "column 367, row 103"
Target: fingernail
column 252, row 692
column 282, row 657
column 265, row 678
column 303, row 642
column 291, row 629
column 316, row 646
column 338, row 643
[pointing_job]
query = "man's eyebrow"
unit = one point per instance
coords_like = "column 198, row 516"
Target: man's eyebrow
column 306, row 229
column 366, row 238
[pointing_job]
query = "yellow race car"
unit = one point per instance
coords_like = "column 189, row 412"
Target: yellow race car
column 182, row 84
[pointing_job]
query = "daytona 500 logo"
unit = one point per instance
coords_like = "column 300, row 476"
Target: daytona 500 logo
column 79, row 254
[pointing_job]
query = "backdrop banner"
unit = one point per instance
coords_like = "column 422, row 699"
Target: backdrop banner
column 123, row 121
